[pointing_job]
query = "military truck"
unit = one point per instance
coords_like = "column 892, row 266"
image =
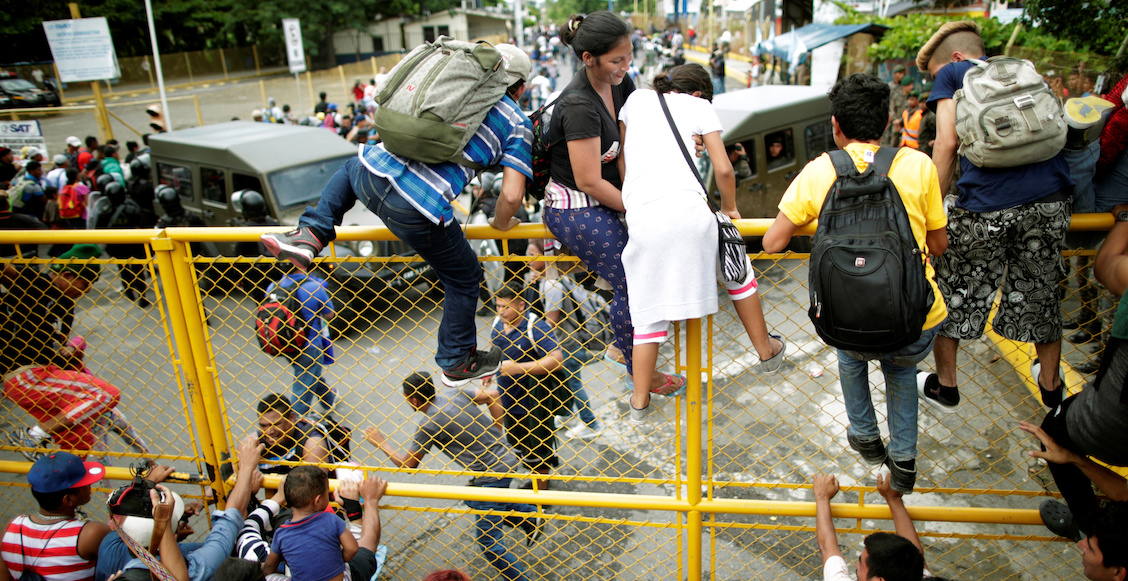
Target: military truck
column 289, row 165
column 795, row 118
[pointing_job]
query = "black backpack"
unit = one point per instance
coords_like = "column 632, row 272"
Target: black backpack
column 868, row 289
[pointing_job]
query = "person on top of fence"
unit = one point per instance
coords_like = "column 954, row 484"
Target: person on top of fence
column 413, row 198
column 316, row 544
column 665, row 200
column 54, row 542
column 911, row 192
column 887, row 556
column 39, row 308
column 583, row 197
column 307, row 296
column 1009, row 221
column 529, row 380
column 462, row 431
column 1090, row 423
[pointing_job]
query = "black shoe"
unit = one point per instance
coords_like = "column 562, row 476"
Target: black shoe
column 476, row 365
column 941, row 397
column 872, row 451
column 484, row 311
column 143, row 302
column 902, row 475
column 1087, row 367
column 1059, row 519
column 1070, row 324
column 1081, row 336
column 1050, row 398
column 535, row 533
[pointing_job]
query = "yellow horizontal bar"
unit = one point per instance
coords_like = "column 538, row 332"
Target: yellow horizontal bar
column 112, row 473
column 719, row 506
column 747, row 227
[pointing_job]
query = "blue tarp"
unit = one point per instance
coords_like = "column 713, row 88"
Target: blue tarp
column 799, row 41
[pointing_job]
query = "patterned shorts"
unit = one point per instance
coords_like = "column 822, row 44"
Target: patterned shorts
column 1020, row 246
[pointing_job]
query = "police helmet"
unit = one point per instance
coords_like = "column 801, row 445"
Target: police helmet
column 139, row 168
column 252, row 202
column 103, row 181
column 115, row 192
column 169, row 200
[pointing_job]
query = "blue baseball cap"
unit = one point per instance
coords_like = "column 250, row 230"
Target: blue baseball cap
column 62, row 470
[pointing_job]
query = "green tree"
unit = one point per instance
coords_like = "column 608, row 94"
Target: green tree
column 1097, row 26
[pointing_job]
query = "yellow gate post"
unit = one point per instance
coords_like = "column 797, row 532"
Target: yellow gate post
column 192, row 356
column 693, row 446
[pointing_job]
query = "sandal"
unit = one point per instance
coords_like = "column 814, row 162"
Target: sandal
column 671, row 382
column 1050, row 399
column 775, row 362
column 615, row 357
column 1059, row 519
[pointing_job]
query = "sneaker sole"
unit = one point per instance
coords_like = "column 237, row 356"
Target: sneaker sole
column 935, row 405
column 461, row 381
column 292, row 254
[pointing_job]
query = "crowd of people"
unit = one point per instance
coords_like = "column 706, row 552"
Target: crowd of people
column 616, row 204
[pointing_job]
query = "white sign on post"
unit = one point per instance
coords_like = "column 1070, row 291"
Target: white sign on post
column 16, row 134
column 295, row 53
column 82, row 49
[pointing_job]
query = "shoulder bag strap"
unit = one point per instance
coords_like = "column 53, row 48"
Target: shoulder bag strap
column 685, row 152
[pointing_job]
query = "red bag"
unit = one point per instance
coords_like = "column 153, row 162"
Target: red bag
column 279, row 325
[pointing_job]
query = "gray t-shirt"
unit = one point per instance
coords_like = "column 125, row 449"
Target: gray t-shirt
column 463, row 431
column 1097, row 415
column 577, row 307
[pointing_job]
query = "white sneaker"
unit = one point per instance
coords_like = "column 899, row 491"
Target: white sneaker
column 638, row 416
column 583, row 432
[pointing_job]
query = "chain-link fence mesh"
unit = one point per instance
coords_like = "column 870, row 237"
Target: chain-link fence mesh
column 763, row 436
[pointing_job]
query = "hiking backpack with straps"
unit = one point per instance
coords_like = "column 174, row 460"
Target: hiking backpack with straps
column 437, row 97
column 869, row 292
column 279, row 325
column 69, row 206
column 1006, row 116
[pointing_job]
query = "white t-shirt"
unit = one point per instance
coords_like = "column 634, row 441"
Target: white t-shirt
column 836, row 569
column 542, row 85
column 655, row 165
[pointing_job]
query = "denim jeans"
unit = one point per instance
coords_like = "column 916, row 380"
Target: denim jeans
column 308, row 381
column 1082, row 168
column 219, row 543
column 1112, row 189
column 597, row 237
column 444, row 247
column 899, row 368
column 718, row 85
column 489, row 533
column 574, row 361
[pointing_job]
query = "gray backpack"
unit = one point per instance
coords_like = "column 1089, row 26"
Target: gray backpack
column 436, row 98
column 1006, row 116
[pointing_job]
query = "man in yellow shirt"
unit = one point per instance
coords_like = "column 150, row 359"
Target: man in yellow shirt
column 859, row 107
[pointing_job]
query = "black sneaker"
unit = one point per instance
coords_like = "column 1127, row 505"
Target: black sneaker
column 1050, row 398
column 534, row 534
column 476, row 365
column 872, row 451
column 941, row 397
column 299, row 246
column 1059, row 519
column 902, row 475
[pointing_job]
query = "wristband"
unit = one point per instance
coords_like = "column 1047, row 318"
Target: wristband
column 353, row 509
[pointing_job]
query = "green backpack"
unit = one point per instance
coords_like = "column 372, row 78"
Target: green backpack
column 436, row 98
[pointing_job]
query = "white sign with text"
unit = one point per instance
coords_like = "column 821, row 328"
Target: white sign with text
column 295, row 53
column 82, row 49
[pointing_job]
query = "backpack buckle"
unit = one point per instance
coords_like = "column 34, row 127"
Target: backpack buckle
column 1024, row 101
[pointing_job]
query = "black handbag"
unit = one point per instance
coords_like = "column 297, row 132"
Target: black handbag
column 730, row 244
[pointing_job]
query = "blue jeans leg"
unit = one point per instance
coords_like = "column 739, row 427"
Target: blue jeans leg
column 899, row 369
column 718, row 85
column 1082, row 168
column 1112, row 189
column 336, row 199
column 307, row 379
column 597, row 237
column 581, row 401
column 489, row 535
column 445, row 249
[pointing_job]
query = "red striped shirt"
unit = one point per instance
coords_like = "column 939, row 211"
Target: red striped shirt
column 50, row 550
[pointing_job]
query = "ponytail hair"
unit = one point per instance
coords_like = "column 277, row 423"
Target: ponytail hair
column 597, row 33
column 685, row 79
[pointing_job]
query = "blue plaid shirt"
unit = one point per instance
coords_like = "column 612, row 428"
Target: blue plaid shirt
column 505, row 137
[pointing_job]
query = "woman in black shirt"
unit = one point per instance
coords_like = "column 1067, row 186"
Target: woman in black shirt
column 583, row 199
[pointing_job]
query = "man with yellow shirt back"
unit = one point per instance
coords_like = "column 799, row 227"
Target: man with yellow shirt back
column 859, row 107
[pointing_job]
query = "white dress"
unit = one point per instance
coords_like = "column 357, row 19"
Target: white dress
column 671, row 256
